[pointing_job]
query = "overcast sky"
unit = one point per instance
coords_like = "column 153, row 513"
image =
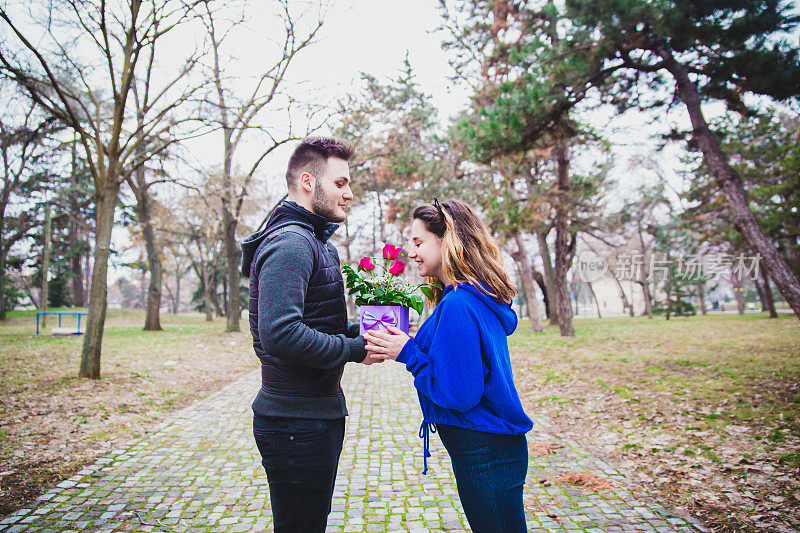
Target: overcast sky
column 357, row 36
column 374, row 36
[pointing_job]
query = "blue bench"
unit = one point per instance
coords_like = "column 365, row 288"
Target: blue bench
column 79, row 314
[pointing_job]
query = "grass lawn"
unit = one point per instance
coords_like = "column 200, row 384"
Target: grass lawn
column 52, row 422
column 703, row 411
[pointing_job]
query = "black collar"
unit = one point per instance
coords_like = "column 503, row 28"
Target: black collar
column 323, row 228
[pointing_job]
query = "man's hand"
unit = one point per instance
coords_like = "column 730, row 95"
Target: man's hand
column 372, row 358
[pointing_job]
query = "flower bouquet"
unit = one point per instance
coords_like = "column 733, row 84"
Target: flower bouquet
column 385, row 297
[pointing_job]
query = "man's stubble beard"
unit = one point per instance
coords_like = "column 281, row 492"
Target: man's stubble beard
column 323, row 206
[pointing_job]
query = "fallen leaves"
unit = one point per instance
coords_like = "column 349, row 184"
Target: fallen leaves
column 52, row 423
column 721, row 438
column 585, row 480
column 540, row 449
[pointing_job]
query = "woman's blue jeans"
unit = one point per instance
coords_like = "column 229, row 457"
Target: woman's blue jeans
column 300, row 456
column 490, row 472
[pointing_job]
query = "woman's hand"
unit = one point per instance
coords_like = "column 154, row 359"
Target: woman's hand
column 386, row 344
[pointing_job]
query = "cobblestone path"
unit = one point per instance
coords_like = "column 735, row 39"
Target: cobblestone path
column 200, row 471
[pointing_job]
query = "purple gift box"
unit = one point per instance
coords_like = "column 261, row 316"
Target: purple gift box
column 375, row 317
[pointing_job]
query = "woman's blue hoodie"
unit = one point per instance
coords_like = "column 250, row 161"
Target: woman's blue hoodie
column 461, row 365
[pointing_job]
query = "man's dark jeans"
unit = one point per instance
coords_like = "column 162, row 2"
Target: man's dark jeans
column 301, row 456
column 490, row 472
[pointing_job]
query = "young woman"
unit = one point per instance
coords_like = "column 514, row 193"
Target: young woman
column 461, row 367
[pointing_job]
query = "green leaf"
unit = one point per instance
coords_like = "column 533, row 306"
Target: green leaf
column 416, row 304
column 427, row 291
column 550, row 10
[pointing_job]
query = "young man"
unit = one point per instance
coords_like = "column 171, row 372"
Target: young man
column 298, row 319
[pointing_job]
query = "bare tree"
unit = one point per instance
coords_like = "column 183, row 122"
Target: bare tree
column 78, row 227
column 203, row 247
column 87, row 84
column 178, row 263
column 565, row 239
column 548, row 274
column 521, row 257
column 239, row 115
column 22, row 147
column 195, row 227
column 141, row 181
column 765, row 294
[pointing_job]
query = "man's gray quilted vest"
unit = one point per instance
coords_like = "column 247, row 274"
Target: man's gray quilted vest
column 325, row 310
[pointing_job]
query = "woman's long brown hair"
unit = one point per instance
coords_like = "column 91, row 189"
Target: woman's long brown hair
column 469, row 253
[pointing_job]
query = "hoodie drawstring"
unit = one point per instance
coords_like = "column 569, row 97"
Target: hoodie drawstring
column 424, row 433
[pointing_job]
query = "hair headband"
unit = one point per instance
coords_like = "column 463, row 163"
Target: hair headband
column 438, row 207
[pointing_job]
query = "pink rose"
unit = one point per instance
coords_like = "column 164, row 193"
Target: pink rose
column 366, row 264
column 397, row 268
column 390, row 251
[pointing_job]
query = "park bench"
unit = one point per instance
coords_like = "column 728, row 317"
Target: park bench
column 59, row 330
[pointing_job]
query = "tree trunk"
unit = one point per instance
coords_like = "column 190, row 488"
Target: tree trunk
column 565, row 243
column 177, row 302
column 201, row 269
column 231, row 281
column 761, row 296
column 549, row 278
column 648, row 304
column 142, row 285
column 520, row 290
column 625, row 303
column 212, row 287
column 171, row 297
column 768, row 295
column 575, row 295
column 701, row 298
column 31, row 296
column 207, row 292
column 45, row 261
column 539, row 279
column 87, row 271
column 3, row 254
column 528, row 285
column 152, row 321
column 3, row 304
column 225, row 293
column 229, row 243
column 78, row 292
column 738, row 293
column 98, row 294
column 731, row 184
column 597, row 304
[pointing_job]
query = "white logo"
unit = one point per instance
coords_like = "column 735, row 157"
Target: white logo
column 591, row 266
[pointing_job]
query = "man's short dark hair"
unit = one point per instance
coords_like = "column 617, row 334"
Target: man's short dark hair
column 312, row 154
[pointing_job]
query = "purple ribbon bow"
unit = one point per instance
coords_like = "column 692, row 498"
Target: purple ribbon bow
column 371, row 321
